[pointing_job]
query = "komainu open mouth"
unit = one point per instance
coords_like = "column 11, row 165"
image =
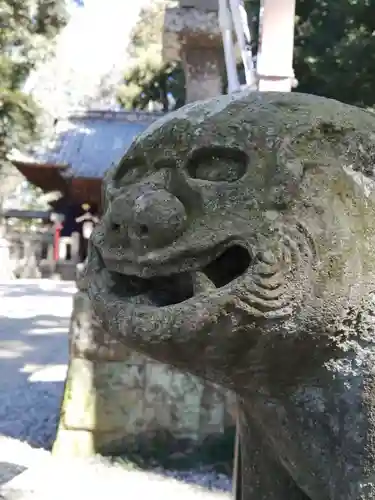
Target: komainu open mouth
column 161, row 291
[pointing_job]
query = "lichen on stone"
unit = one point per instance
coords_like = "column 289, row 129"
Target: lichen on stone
column 246, row 276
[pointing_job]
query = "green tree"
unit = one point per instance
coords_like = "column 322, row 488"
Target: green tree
column 335, row 49
column 27, row 30
column 148, row 79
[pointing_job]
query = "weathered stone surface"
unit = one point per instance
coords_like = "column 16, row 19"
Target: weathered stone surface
column 196, row 24
column 74, row 443
column 87, row 338
column 102, row 397
column 203, row 67
column 238, row 244
column 192, row 35
column 119, row 404
column 115, row 397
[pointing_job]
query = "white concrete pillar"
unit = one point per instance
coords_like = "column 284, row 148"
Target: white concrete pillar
column 275, row 60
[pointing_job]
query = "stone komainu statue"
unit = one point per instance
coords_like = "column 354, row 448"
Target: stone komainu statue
column 238, row 244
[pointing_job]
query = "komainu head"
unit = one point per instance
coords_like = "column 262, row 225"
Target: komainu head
column 238, row 231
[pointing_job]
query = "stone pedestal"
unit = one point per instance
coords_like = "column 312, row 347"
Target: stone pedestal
column 115, row 399
column 101, row 391
column 192, row 35
column 203, row 68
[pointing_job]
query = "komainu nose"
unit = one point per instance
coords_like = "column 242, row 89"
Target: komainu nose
column 158, row 218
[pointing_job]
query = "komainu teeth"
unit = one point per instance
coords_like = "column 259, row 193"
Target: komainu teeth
column 201, row 282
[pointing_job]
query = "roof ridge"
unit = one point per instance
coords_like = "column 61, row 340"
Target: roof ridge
column 129, row 115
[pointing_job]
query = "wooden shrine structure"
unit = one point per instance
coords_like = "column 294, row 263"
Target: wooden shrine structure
column 84, row 145
column 78, row 153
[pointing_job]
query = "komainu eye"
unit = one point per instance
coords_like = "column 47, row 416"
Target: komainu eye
column 129, row 172
column 217, row 164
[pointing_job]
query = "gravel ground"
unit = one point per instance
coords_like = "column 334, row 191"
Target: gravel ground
column 34, row 318
column 30, row 413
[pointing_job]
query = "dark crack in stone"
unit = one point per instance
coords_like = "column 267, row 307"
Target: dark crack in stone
column 238, row 245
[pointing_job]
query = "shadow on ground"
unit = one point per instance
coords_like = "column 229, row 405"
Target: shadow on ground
column 9, row 471
column 34, row 322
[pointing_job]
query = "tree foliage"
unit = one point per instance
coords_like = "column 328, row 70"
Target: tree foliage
column 27, row 29
column 334, row 54
column 335, row 49
column 148, row 79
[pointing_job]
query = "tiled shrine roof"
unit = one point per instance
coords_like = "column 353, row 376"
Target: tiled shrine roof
column 90, row 142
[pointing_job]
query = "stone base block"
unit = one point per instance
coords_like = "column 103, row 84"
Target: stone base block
column 115, row 397
column 74, row 443
column 108, row 406
column 103, row 402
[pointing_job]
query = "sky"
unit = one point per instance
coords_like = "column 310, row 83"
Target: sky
column 98, row 32
column 91, row 46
